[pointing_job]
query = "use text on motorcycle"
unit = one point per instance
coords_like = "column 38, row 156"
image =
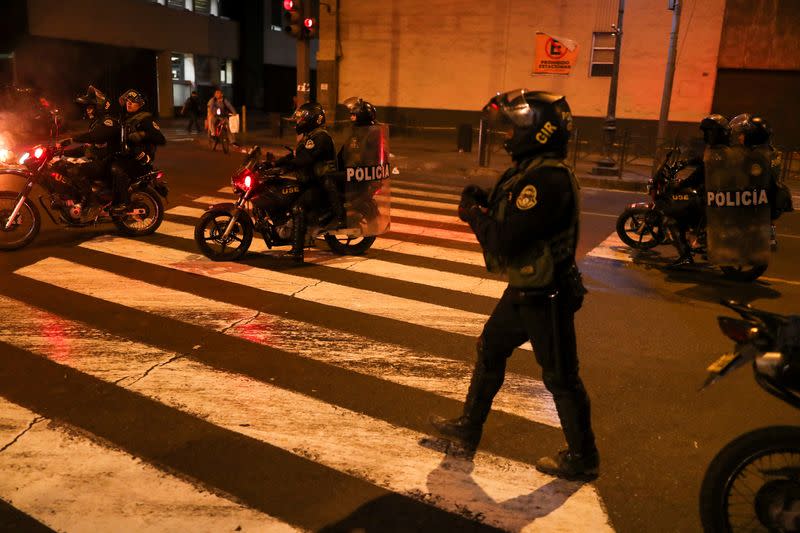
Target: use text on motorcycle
column 753, row 483
column 64, row 191
column 266, row 195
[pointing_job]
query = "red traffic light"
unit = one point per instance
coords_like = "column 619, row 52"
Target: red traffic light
column 288, row 5
column 308, row 23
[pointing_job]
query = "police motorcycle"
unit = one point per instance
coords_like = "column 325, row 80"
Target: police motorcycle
column 266, row 194
column 65, row 200
column 753, row 483
column 642, row 225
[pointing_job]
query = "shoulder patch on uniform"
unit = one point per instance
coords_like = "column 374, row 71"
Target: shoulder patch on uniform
column 526, row 199
column 155, row 125
column 108, row 122
column 309, row 144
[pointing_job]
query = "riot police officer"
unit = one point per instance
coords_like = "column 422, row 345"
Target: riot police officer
column 754, row 132
column 527, row 226
column 313, row 157
column 140, row 136
column 716, row 132
column 98, row 143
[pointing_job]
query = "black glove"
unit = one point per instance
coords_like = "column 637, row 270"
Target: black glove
column 477, row 193
column 467, row 208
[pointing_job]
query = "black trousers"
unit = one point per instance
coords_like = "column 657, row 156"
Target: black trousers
column 194, row 120
column 122, row 170
column 549, row 325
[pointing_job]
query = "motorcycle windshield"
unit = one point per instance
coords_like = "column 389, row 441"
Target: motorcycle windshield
column 365, row 170
column 737, row 205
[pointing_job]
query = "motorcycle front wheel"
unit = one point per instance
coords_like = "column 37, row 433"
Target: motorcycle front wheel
column 749, row 273
column 210, row 229
column 26, row 225
column 145, row 214
column 753, row 484
column 344, row 245
column 638, row 229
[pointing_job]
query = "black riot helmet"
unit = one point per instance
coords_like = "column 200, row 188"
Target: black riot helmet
column 309, row 117
column 750, row 130
column 361, row 112
column 132, row 95
column 535, row 122
column 94, row 99
column 716, row 130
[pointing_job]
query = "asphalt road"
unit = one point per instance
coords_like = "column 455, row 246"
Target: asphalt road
column 176, row 393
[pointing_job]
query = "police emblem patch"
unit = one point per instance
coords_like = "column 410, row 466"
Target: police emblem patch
column 526, row 198
column 309, row 144
column 108, row 122
column 756, row 170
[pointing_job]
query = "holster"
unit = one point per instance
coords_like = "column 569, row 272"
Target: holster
column 570, row 287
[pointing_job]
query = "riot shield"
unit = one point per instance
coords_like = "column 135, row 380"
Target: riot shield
column 364, row 162
column 737, row 208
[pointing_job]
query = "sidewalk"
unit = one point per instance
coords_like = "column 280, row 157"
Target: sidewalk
column 417, row 157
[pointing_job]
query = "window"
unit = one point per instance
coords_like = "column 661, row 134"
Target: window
column 177, row 67
column 602, row 62
column 202, row 6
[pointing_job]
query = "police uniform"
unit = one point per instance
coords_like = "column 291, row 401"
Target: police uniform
column 141, row 134
column 529, row 231
column 527, row 226
column 99, row 143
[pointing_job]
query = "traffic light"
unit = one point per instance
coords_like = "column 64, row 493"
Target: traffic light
column 293, row 17
column 309, row 28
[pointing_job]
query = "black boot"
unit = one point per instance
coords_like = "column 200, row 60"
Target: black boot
column 487, row 378
column 684, row 249
column 298, row 235
column 571, row 465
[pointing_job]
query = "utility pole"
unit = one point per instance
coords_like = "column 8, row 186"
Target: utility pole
column 303, row 71
column 299, row 22
column 663, row 119
column 607, row 166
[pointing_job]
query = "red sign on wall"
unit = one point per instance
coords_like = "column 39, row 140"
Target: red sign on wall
column 553, row 55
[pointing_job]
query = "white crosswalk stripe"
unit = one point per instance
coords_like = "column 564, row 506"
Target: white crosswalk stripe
column 497, row 491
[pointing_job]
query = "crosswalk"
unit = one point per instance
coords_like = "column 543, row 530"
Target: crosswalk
column 260, row 396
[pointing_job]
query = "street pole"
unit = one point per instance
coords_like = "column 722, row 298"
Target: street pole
column 607, row 166
column 663, row 119
column 303, row 71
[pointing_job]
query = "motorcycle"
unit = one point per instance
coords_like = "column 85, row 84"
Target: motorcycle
column 753, row 483
column 20, row 219
column 266, row 194
column 220, row 133
column 643, row 225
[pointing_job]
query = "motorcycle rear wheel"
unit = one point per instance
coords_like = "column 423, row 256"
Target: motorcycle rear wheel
column 632, row 223
column 141, row 225
column 210, row 228
column 29, row 221
column 342, row 245
column 745, row 274
column 742, row 487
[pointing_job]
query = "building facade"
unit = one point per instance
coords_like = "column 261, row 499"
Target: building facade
column 165, row 48
column 437, row 62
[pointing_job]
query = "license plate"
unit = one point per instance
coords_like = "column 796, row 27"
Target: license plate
column 719, row 366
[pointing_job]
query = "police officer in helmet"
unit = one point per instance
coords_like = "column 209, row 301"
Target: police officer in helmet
column 716, row 132
column 312, row 159
column 754, row 132
column 97, row 144
column 527, row 225
column 140, row 136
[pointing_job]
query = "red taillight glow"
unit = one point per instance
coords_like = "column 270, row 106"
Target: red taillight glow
column 24, row 157
column 159, row 176
column 38, row 153
column 248, row 181
column 288, row 5
column 308, row 23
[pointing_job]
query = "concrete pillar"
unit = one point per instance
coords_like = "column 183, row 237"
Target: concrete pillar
column 164, row 76
column 328, row 57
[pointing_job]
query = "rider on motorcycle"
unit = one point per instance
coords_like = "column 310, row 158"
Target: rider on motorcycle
column 312, row 159
column 140, row 136
column 716, row 132
column 98, row 144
